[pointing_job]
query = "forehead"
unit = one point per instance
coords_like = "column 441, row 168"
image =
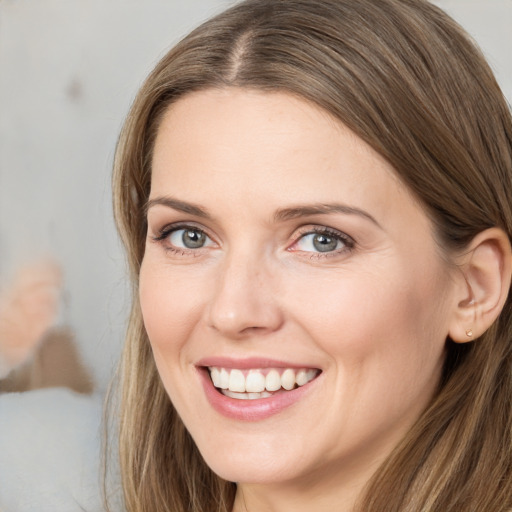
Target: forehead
column 234, row 143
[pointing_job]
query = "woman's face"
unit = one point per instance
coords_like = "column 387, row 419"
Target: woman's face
column 285, row 262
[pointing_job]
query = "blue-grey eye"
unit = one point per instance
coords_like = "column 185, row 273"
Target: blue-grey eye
column 319, row 242
column 189, row 238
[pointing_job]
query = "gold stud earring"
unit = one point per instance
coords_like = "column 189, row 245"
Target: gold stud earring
column 469, row 333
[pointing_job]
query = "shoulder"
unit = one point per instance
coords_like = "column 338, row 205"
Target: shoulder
column 50, row 446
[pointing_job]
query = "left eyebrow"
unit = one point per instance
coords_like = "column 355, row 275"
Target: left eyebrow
column 176, row 204
column 319, row 209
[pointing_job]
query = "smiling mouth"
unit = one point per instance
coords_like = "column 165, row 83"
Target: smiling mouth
column 259, row 383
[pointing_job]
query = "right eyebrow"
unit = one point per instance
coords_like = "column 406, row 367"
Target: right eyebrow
column 321, row 208
column 176, row 204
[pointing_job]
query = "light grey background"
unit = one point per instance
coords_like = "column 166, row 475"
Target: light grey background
column 68, row 72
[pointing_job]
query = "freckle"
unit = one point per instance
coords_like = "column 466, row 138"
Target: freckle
column 74, row 90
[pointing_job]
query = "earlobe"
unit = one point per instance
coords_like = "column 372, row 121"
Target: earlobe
column 486, row 270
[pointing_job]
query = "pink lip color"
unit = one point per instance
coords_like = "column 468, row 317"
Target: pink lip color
column 250, row 410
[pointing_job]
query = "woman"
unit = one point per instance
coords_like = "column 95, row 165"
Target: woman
column 315, row 200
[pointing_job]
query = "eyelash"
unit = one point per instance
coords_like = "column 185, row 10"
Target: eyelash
column 166, row 231
column 347, row 241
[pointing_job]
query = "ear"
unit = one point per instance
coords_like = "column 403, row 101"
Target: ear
column 485, row 282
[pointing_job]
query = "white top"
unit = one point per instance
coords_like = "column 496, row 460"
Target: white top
column 50, row 446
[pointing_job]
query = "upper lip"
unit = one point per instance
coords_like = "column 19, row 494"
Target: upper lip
column 249, row 363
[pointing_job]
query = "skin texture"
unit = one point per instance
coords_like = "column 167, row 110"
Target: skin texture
column 373, row 314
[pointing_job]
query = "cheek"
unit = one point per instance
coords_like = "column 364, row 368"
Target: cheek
column 387, row 343
column 169, row 307
column 389, row 317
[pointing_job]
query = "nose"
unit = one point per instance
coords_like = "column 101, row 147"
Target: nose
column 244, row 301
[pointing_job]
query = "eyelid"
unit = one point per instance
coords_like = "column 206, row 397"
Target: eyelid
column 163, row 234
column 348, row 241
column 166, row 230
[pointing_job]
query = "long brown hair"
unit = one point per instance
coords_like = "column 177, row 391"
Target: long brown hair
column 405, row 78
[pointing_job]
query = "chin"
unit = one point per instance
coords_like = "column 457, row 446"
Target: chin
column 250, row 471
column 250, row 461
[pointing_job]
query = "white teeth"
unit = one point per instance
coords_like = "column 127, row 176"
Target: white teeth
column 215, row 375
column 254, row 396
column 237, row 381
column 288, row 379
column 273, row 381
column 304, row 376
column 301, row 377
column 245, row 396
column 254, row 384
column 238, row 396
column 223, row 379
column 311, row 374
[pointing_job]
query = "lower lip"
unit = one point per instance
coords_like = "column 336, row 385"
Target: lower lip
column 251, row 410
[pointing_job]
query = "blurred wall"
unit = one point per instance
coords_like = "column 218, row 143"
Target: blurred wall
column 68, row 72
